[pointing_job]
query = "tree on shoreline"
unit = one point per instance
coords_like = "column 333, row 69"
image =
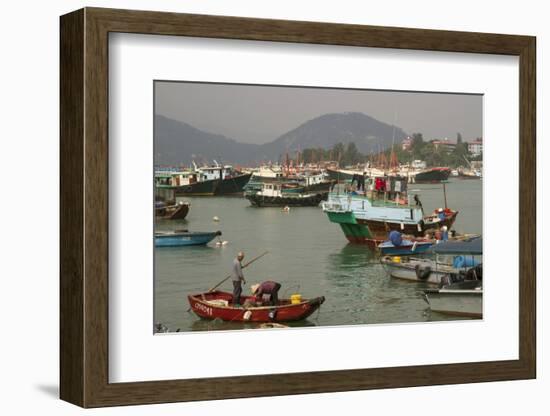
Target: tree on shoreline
column 420, row 149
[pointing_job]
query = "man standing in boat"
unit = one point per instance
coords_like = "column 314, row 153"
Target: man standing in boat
column 238, row 278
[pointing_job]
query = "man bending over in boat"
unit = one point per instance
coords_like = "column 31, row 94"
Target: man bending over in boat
column 238, row 278
column 268, row 288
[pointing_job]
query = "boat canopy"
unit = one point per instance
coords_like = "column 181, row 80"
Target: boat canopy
column 473, row 246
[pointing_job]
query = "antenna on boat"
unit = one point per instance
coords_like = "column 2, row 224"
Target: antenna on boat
column 444, row 193
column 393, row 157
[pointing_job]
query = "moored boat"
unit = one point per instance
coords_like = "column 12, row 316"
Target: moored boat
column 205, row 181
column 219, row 305
column 181, row 238
column 416, row 269
column 431, row 175
column 458, row 299
column 347, row 175
column 434, row 270
column 283, row 194
column 171, row 212
column 308, row 181
column 406, row 248
column 367, row 216
column 462, row 294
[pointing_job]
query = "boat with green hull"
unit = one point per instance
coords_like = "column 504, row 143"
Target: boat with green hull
column 367, row 215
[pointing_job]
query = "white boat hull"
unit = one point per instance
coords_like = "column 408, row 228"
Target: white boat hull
column 456, row 302
column 407, row 271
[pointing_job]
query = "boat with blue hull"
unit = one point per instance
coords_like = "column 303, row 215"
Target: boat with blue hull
column 406, row 248
column 184, row 238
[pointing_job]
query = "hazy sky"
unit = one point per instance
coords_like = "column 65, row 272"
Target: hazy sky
column 259, row 114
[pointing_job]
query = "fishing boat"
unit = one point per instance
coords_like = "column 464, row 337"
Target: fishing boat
column 171, row 212
column 458, row 299
column 309, row 181
column 284, row 194
column 347, row 175
column 341, row 175
column 430, row 175
column 204, row 181
column 379, row 205
column 218, row 305
column 180, row 238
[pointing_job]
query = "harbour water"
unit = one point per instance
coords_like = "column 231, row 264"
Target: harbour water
column 307, row 255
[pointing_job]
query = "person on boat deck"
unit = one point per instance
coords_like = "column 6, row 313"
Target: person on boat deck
column 444, row 233
column 441, row 214
column 395, row 238
column 238, row 278
column 267, row 288
column 417, row 202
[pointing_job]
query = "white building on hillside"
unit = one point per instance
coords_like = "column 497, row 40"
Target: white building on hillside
column 476, row 147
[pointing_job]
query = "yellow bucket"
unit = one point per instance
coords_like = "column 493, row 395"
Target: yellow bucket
column 295, row 298
column 396, row 259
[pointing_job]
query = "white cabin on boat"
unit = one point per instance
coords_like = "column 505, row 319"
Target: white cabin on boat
column 215, row 172
column 271, row 172
column 271, row 190
column 175, row 178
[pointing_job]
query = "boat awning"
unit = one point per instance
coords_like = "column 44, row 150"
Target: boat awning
column 472, row 246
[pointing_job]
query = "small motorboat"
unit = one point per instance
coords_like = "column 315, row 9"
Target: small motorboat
column 463, row 296
column 180, row 238
column 218, row 305
column 460, row 299
column 171, row 212
column 406, row 248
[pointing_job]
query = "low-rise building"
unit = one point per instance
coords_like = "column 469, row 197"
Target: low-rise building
column 444, row 144
column 476, row 147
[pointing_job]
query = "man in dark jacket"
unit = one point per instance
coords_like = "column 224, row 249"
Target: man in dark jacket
column 269, row 288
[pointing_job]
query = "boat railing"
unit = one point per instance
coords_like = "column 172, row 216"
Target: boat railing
column 333, row 206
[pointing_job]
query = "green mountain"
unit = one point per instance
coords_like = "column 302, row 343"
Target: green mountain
column 178, row 142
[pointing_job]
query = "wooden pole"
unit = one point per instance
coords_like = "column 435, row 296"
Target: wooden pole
column 245, row 266
column 445, row 194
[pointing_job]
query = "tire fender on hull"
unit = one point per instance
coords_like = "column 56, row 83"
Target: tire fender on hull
column 422, row 273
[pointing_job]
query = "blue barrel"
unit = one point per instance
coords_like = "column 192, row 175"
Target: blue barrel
column 463, row 261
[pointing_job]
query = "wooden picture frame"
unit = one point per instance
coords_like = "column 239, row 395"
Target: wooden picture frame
column 84, row 207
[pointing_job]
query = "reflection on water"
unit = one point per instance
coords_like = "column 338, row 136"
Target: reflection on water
column 307, row 255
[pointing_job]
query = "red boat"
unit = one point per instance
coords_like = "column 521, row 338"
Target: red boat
column 212, row 305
